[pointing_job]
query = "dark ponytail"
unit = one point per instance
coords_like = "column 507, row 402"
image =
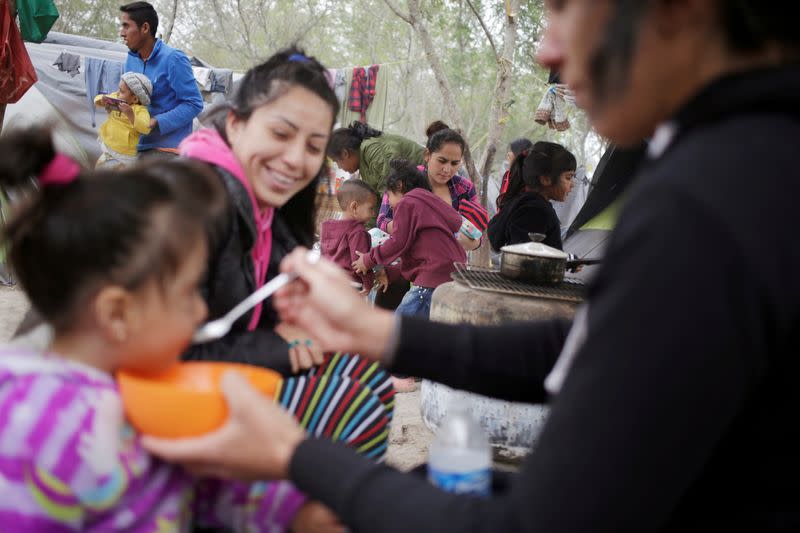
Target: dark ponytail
column 517, row 146
column 542, row 159
column 405, row 177
column 28, row 152
column 350, row 138
column 67, row 240
column 434, row 127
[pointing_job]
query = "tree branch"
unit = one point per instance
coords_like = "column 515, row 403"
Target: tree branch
column 173, row 14
column 485, row 29
column 397, row 12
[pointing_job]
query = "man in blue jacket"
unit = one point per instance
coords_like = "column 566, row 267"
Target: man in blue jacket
column 176, row 99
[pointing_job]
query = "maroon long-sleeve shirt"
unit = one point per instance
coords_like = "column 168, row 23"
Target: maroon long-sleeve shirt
column 423, row 238
column 339, row 242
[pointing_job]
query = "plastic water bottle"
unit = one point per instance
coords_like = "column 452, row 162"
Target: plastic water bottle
column 460, row 457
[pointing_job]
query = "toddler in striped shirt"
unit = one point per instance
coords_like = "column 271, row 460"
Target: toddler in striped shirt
column 112, row 260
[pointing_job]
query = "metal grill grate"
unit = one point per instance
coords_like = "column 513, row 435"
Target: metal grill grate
column 485, row 279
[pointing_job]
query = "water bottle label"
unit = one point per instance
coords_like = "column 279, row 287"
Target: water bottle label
column 476, row 482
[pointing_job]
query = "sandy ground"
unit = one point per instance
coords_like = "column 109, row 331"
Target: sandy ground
column 409, row 437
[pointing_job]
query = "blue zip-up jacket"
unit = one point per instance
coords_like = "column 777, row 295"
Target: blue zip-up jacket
column 176, row 99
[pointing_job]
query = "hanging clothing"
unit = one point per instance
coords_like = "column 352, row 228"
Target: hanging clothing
column 376, row 112
column 69, row 63
column 16, row 69
column 102, row 77
column 202, row 76
column 36, row 17
column 221, row 80
column 362, row 89
column 552, row 110
column 339, row 87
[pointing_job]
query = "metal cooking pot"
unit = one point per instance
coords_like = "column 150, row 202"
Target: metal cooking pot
column 533, row 261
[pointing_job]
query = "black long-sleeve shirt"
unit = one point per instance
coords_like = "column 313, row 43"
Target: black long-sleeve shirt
column 528, row 213
column 678, row 412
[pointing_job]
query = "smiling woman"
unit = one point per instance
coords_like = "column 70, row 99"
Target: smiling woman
column 268, row 149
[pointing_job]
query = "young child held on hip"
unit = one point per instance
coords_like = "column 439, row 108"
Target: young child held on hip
column 422, row 237
column 112, row 260
column 128, row 118
column 342, row 240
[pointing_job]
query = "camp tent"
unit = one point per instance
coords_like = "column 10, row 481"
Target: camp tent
column 59, row 98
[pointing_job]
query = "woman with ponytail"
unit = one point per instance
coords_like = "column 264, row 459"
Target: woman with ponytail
column 538, row 176
column 369, row 151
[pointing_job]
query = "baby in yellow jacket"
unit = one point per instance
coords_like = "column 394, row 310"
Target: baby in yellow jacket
column 128, row 118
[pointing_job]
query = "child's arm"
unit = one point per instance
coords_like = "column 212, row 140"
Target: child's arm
column 397, row 243
column 385, row 214
column 360, row 241
column 141, row 119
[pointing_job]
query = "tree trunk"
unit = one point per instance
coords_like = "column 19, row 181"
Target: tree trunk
column 173, row 14
column 454, row 115
column 502, row 92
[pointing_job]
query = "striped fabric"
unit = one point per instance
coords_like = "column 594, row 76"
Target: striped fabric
column 369, row 373
column 339, row 408
column 69, row 462
column 475, row 213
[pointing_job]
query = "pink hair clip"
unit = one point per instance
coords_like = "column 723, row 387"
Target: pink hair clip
column 60, row 171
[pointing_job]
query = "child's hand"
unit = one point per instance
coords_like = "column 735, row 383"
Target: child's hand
column 127, row 110
column 313, row 517
column 381, row 280
column 359, row 266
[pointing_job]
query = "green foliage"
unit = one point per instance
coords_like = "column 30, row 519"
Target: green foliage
column 93, row 18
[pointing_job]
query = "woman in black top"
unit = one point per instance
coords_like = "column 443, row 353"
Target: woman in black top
column 674, row 399
column 538, row 175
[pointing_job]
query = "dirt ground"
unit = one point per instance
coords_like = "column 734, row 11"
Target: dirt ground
column 409, row 437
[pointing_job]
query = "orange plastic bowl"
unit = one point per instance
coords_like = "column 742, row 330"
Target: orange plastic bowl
column 186, row 400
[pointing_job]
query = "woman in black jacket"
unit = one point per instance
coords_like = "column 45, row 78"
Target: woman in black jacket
column 674, row 394
column 268, row 149
column 538, row 176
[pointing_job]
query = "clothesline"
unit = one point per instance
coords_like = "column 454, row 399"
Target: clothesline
column 398, row 62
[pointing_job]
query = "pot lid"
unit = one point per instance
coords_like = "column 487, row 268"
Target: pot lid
column 535, row 249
